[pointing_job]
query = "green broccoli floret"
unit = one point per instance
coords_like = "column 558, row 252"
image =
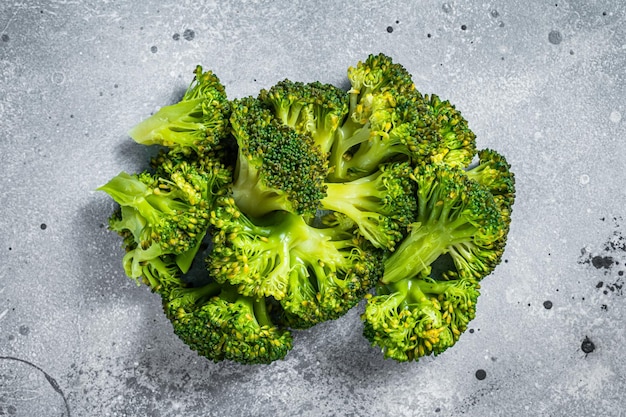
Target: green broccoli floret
column 277, row 168
column 456, row 142
column 455, row 216
column 198, row 121
column 382, row 205
column 413, row 314
column 164, row 215
column 221, row 324
column 419, row 316
column 375, row 75
column 494, row 173
column 314, row 108
column 387, row 119
column 316, row 274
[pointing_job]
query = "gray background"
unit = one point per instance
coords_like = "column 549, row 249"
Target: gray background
column 544, row 83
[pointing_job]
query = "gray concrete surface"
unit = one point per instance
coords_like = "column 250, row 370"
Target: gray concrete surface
column 543, row 82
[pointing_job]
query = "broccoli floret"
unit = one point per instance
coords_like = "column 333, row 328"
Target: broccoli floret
column 455, row 216
column 494, row 173
column 387, row 119
column 277, row 168
column 381, row 205
column 197, row 122
column 164, row 215
column 456, row 142
column 375, row 75
column 221, row 324
column 314, row 108
column 411, row 313
column 418, row 316
column 316, row 274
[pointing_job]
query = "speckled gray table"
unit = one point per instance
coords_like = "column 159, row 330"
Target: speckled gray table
column 542, row 82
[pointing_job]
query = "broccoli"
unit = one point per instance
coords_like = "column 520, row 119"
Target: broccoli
column 163, row 215
column 315, row 273
column 382, row 122
column 277, row 168
column 494, row 172
column 456, row 142
column 314, row 108
column 419, row 316
column 412, row 313
column 198, row 121
column 381, row 205
column 455, row 216
column 219, row 323
column 269, row 214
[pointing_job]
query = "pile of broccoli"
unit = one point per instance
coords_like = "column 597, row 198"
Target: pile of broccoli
column 265, row 215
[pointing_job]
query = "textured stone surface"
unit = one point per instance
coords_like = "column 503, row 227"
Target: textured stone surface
column 543, row 83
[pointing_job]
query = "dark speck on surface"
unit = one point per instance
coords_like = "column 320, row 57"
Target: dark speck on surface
column 463, row 27
column 602, row 261
column 24, row 330
column 154, row 49
column 494, row 13
column 555, row 37
column 176, row 36
column 189, row 34
column 481, row 374
column 43, row 226
column 389, row 29
column 547, row 304
column 5, row 37
column 587, row 345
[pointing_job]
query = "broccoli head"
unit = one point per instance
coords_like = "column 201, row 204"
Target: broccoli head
column 316, row 274
column 412, row 313
column 164, row 215
column 382, row 205
column 388, row 120
column 198, row 121
column 419, row 316
column 277, row 168
column 220, row 324
column 314, row 108
column 456, row 143
column 455, row 216
column 494, row 173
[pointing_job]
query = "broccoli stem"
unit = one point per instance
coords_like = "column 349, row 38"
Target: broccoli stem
column 185, row 116
column 262, row 315
column 189, row 297
column 361, row 193
column 348, row 136
column 416, row 253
